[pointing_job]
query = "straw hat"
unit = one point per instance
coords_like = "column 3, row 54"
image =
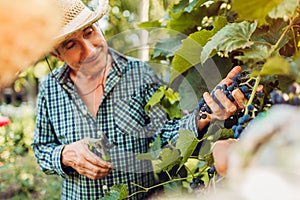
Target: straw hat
column 78, row 16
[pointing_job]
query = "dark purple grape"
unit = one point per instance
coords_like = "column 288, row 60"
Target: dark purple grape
column 230, row 88
column 260, row 94
column 209, row 27
column 193, row 185
column 236, row 135
column 234, row 128
column 211, row 171
column 246, row 118
column 295, row 101
column 293, row 89
column 245, row 89
column 250, row 107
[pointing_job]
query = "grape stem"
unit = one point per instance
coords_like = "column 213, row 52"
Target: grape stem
column 282, row 37
column 252, row 94
column 147, row 189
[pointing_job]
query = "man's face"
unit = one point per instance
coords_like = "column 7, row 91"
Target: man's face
column 85, row 50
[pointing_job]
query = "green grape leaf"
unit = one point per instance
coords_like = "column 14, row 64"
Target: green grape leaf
column 285, row 8
column 166, row 47
column 186, row 143
column 226, row 133
column 173, row 188
column 185, row 18
column 179, row 7
column 170, row 103
column 232, row 37
column 172, row 96
column 155, row 99
column 117, row 192
column 173, row 110
column 254, row 9
column 169, row 158
column 209, row 159
column 275, row 65
column 295, row 68
column 270, row 34
column 218, row 24
column 255, row 53
column 146, row 156
column 168, row 99
column 154, row 151
column 192, row 164
column 149, row 24
column 194, row 4
column 188, row 55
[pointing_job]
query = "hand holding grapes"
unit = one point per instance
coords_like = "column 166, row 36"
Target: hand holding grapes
column 221, row 103
column 78, row 156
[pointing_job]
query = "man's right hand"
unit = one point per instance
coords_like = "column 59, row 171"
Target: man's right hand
column 78, row 156
column 221, row 150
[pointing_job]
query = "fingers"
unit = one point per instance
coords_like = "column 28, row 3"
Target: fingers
column 93, row 158
column 229, row 106
column 78, row 156
column 91, row 171
column 239, row 98
column 215, row 108
column 228, row 80
column 221, row 107
column 234, row 72
column 260, row 88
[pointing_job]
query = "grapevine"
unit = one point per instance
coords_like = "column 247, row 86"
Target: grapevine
column 265, row 43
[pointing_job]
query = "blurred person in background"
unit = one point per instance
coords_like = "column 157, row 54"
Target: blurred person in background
column 26, row 34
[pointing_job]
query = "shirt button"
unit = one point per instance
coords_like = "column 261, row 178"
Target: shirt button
column 84, row 112
column 104, row 187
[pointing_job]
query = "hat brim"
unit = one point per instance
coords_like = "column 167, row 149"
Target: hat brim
column 82, row 21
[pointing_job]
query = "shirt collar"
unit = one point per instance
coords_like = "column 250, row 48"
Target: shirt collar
column 118, row 61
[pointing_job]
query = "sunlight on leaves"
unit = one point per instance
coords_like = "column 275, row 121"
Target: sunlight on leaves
column 285, row 8
column 254, row 9
column 231, row 37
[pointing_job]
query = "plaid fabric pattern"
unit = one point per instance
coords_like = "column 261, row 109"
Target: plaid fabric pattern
column 63, row 118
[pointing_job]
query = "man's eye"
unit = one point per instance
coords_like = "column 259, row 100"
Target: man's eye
column 88, row 31
column 69, row 45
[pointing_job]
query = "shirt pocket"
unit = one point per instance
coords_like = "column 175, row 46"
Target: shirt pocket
column 131, row 121
column 130, row 116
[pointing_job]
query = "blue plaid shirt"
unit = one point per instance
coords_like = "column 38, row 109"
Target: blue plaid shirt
column 63, row 118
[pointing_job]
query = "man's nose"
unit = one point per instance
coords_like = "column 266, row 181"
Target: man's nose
column 87, row 48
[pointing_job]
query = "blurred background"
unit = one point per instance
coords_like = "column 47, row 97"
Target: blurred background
column 20, row 176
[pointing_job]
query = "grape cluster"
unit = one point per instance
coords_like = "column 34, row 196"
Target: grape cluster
column 197, row 183
column 211, row 171
column 245, row 84
column 291, row 97
column 240, row 81
column 242, row 123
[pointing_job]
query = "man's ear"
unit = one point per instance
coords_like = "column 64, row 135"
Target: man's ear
column 56, row 55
